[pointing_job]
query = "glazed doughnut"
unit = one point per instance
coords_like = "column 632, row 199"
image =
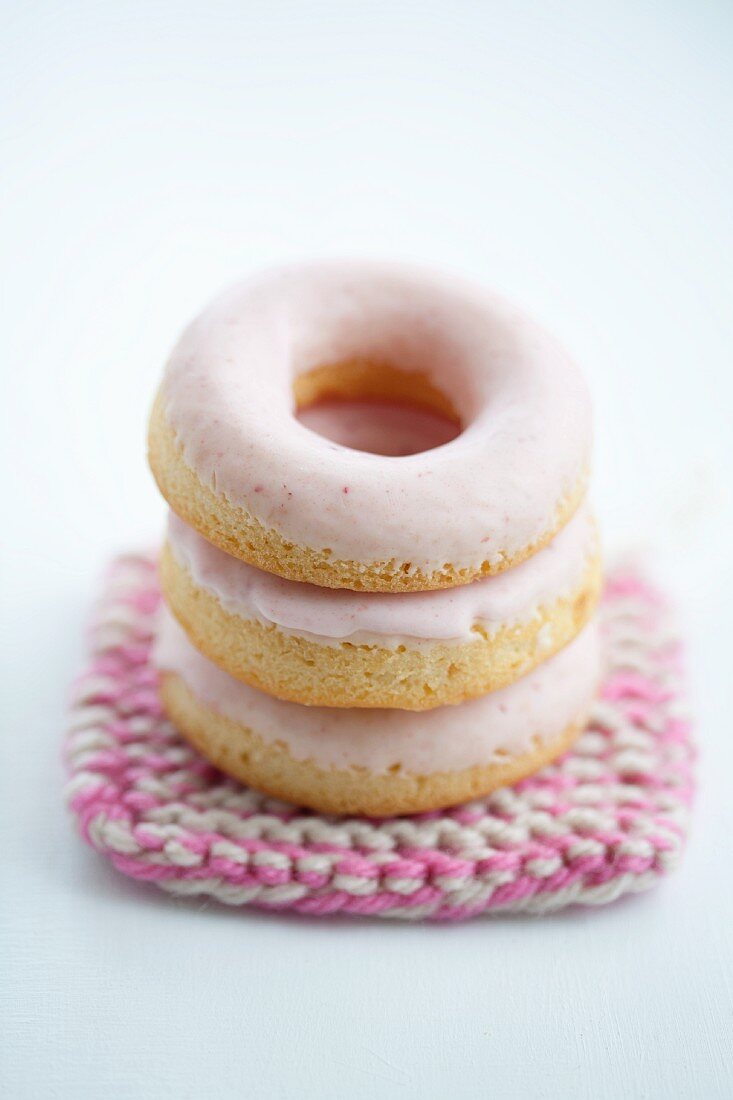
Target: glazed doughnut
column 232, row 460
column 415, row 650
column 377, row 762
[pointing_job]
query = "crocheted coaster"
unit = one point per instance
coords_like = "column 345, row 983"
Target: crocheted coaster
column 608, row 818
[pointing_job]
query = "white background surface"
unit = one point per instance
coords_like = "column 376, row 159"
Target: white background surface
column 577, row 155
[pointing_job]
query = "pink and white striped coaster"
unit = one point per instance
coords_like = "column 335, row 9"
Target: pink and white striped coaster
column 608, row 818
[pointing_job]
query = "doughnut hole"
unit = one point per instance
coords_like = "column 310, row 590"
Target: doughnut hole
column 375, row 408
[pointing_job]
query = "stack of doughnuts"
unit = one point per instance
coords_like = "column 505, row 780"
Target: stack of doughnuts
column 380, row 568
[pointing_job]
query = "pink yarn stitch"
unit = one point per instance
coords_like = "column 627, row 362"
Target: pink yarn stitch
column 608, row 818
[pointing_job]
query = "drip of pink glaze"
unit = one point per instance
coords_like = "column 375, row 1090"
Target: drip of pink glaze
column 332, row 615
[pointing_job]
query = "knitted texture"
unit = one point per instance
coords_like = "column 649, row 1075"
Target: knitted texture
column 608, row 818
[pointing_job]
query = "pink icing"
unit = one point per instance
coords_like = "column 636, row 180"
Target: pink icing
column 491, row 492
column 331, row 615
column 540, row 705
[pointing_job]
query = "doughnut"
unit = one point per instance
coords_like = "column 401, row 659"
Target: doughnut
column 376, row 762
column 232, row 459
column 414, row 650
